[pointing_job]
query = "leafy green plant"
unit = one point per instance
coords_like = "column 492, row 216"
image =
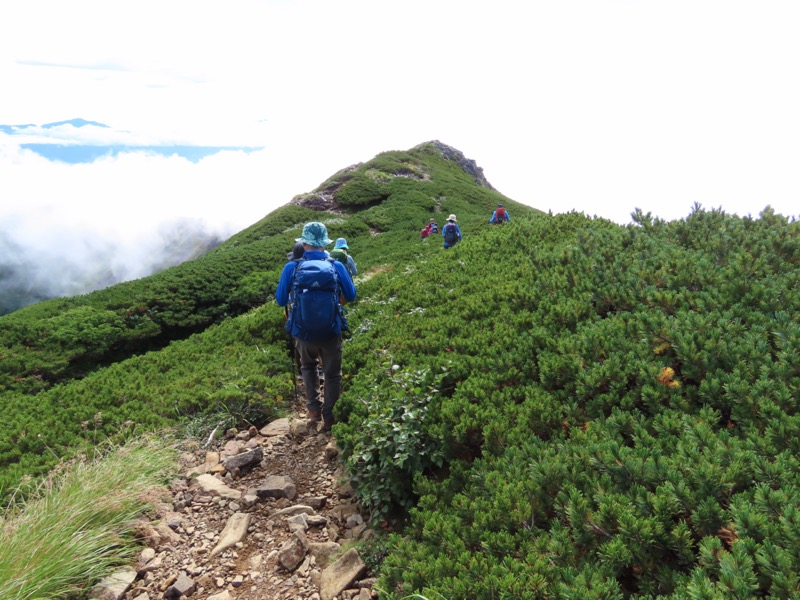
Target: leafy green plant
column 618, row 417
column 392, row 445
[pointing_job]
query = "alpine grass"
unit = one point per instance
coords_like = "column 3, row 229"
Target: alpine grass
column 77, row 527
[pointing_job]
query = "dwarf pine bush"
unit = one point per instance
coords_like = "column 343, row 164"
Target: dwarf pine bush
column 582, row 409
column 651, row 359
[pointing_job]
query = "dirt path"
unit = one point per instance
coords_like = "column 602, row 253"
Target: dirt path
column 180, row 560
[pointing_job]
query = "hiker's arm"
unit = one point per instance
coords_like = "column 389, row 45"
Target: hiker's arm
column 285, row 284
column 348, row 290
column 352, row 264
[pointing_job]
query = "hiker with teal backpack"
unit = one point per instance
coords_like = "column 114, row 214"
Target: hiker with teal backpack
column 451, row 232
column 340, row 253
column 500, row 215
column 317, row 284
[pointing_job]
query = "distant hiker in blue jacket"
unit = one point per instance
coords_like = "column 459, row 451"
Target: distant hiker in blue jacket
column 451, row 232
column 316, row 283
column 500, row 215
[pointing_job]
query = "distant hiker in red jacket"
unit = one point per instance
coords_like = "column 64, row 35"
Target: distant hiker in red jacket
column 430, row 228
column 500, row 215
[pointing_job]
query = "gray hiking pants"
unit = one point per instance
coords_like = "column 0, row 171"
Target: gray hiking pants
column 328, row 353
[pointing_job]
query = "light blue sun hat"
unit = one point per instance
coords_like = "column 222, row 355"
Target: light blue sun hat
column 341, row 243
column 314, row 234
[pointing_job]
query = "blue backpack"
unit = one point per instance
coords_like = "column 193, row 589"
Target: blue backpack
column 450, row 233
column 316, row 314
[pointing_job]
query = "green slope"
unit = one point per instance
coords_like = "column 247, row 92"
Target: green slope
column 558, row 407
column 205, row 336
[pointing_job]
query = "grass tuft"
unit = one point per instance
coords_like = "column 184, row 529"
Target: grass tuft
column 77, row 527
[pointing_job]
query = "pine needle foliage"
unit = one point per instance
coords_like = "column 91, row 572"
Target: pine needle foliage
column 559, row 407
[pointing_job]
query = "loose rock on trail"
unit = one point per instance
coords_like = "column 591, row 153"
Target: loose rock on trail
column 263, row 517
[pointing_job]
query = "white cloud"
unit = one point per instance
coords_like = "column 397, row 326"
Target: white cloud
column 599, row 107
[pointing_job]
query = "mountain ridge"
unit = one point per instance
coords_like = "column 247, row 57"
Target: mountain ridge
column 558, row 406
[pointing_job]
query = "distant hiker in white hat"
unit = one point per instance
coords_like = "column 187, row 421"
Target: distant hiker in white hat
column 451, row 232
column 341, row 253
column 315, row 283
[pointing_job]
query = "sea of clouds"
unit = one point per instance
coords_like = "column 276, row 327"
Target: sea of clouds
column 68, row 229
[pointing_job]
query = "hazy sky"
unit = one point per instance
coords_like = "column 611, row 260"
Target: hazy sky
column 592, row 105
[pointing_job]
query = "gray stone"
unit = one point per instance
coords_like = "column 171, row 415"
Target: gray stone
column 324, row 552
column 166, row 536
column 290, row 511
column 298, row 522
column 298, row 427
column 340, row 575
column 183, row 586
column 331, row 451
column 152, row 565
column 114, row 586
column 317, row 521
column 146, row 556
column 234, row 532
column 213, row 486
column 277, row 427
column 277, row 486
column 244, row 459
column 354, row 520
column 293, row 551
column 224, row 595
column 317, row 502
column 231, row 448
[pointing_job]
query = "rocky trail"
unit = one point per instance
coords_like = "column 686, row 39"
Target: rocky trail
column 264, row 516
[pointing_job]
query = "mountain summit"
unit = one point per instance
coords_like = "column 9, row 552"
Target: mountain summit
column 556, row 407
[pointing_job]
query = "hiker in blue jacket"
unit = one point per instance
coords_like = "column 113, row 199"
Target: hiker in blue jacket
column 317, row 341
column 451, row 232
column 500, row 215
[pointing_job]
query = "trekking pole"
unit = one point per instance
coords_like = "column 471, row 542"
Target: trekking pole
column 293, row 350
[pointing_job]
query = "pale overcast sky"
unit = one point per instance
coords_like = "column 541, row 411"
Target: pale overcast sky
column 588, row 105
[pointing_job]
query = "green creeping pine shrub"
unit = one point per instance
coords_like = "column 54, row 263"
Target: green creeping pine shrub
column 618, row 416
column 361, row 191
column 646, row 407
column 387, row 444
column 240, row 368
column 77, row 528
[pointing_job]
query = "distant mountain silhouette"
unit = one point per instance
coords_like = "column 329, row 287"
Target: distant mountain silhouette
column 14, row 129
column 82, row 152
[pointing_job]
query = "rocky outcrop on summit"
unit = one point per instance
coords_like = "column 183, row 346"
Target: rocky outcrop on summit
column 264, row 517
column 324, row 197
column 469, row 166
